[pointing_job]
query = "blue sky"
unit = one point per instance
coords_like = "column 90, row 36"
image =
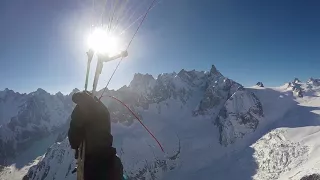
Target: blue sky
column 43, row 42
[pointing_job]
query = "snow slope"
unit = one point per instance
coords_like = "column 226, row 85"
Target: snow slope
column 18, row 167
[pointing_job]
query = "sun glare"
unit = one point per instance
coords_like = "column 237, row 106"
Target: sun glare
column 103, row 42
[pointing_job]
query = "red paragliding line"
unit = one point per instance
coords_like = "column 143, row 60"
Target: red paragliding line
column 145, row 127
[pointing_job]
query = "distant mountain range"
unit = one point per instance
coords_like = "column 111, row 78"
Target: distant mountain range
column 211, row 127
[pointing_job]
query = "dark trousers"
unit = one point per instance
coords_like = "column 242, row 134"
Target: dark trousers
column 103, row 168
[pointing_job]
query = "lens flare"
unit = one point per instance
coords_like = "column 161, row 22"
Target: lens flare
column 104, row 42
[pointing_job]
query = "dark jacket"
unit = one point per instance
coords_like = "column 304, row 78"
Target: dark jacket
column 90, row 121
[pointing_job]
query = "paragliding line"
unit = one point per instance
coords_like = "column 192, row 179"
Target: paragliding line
column 145, row 127
column 135, row 21
column 135, row 10
column 112, row 16
column 152, row 4
column 121, row 12
column 128, row 47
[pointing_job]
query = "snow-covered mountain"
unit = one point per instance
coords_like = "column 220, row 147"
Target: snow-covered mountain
column 211, row 128
column 26, row 118
column 240, row 115
column 182, row 110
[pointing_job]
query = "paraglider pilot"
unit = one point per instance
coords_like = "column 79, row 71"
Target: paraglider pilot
column 90, row 122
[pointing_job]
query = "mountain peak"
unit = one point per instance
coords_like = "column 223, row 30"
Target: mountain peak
column 7, row 92
column 59, row 94
column 142, row 82
column 214, row 71
column 75, row 90
column 313, row 81
column 41, row 91
column 296, row 80
column 192, row 77
column 139, row 78
column 260, row 84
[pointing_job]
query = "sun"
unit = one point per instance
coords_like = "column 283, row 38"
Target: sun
column 104, row 42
